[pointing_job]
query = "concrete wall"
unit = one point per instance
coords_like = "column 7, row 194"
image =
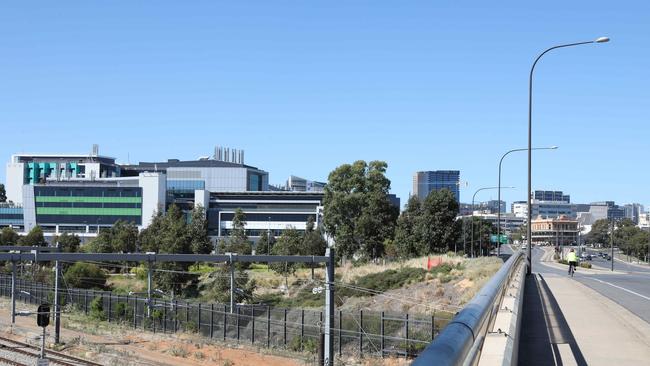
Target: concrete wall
column 15, row 179
column 29, row 207
column 154, row 191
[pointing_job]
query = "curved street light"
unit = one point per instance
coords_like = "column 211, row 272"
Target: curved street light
column 499, row 191
column 473, row 198
column 530, row 140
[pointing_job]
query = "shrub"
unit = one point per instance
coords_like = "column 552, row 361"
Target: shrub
column 85, row 275
column 308, row 344
column 585, row 265
column 140, row 272
column 97, row 309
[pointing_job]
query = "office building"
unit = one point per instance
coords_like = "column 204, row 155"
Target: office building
column 644, row 221
column 606, row 210
column 427, row 181
column 558, row 231
column 633, row 211
column 297, row 184
column 265, row 211
column 29, row 169
column 545, row 209
column 557, row 196
column 83, row 193
column 509, row 222
column 520, row 208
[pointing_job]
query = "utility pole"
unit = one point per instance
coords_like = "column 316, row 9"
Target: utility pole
column 232, row 284
column 329, row 308
column 13, row 291
column 57, row 311
column 149, row 284
column 611, row 243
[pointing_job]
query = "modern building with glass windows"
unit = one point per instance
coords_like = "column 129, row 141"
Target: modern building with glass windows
column 557, row 196
column 270, row 211
column 83, row 193
column 427, row 181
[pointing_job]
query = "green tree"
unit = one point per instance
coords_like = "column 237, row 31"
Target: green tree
column 215, row 286
column 85, row 275
column 265, row 242
column 168, row 234
column 102, row 243
column 599, row 233
column 289, row 243
column 408, row 237
column 198, row 231
column 313, row 241
column 123, row 237
column 357, row 211
column 237, row 241
column 69, row 243
column 439, row 227
column 3, row 193
column 33, row 238
column 9, row 236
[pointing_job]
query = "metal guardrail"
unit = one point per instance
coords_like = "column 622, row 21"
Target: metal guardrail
column 460, row 342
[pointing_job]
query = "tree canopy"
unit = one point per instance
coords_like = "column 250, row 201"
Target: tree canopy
column 33, row 238
column 9, row 236
column 429, row 227
column 357, row 211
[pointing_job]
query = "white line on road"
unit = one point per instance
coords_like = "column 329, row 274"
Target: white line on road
column 622, row 288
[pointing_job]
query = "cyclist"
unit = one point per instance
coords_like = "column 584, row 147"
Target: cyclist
column 572, row 259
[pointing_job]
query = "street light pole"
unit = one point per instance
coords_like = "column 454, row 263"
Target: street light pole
column 499, row 192
column 473, row 198
column 611, row 242
column 530, row 142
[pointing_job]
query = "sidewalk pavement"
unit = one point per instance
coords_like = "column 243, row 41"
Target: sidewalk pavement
column 582, row 326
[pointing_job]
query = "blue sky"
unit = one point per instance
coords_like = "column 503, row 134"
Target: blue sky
column 304, row 86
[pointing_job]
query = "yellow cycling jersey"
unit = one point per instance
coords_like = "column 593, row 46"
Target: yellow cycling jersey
column 571, row 257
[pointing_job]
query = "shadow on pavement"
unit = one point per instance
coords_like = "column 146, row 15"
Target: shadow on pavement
column 544, row 327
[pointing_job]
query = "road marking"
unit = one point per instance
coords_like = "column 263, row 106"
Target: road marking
column 622, row 288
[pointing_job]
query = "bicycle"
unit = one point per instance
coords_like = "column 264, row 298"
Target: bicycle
column 572, row 268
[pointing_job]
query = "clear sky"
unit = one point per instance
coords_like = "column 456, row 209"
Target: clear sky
column 304, row 86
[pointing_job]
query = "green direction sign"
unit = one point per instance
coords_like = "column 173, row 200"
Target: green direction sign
column 503, row 239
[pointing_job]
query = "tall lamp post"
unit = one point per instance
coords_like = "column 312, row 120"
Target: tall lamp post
column 499, row 192
column 473, row 198
column 530, row 140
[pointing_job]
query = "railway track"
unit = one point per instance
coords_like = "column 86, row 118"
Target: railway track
column 19, row 353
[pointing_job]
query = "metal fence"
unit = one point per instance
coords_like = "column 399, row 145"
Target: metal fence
column 357, row 334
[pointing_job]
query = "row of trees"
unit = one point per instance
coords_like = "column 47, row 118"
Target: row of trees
column 360, row 217
column 626, row 235
column 35, row 237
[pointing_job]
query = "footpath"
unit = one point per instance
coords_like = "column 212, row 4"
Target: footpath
column 567, row 323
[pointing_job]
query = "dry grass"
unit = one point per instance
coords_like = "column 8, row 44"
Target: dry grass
column 350, row 273
column 478, row 271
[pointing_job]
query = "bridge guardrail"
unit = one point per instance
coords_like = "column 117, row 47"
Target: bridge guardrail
column 460, row 341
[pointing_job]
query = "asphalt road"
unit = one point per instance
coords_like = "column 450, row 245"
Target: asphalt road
column 629, row 287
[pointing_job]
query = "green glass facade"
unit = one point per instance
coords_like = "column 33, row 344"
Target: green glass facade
column 87, row 205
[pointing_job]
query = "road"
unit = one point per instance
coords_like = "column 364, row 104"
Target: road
column 628, row 286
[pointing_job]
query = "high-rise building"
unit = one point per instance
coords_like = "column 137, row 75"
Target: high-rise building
column 427, row 181
column 633, row 211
